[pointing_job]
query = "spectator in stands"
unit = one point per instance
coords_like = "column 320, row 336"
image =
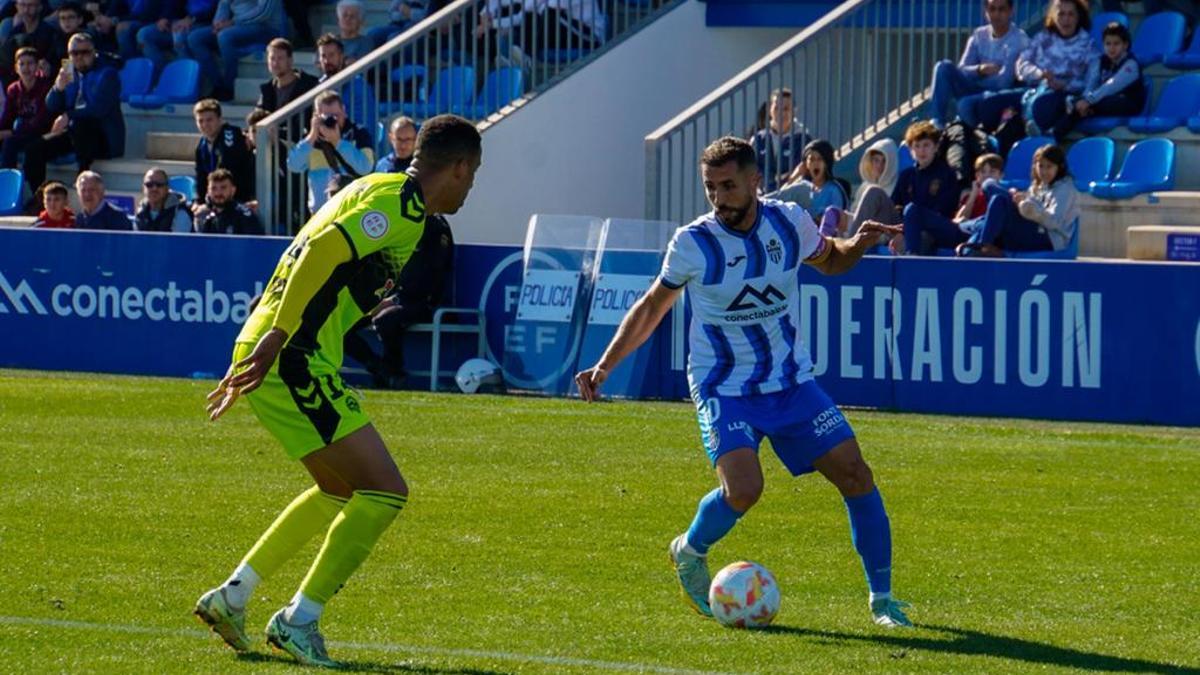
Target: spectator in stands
column 55, row 212
column 1055, row 64
column 286, row 83
column 331, row 56
column 161, row 209
column 236, row 24
column 819, row 189
column 25, row 116
column 925, row 231
column 24, row 29
column 341, row 147
column 930, row 183
column 402, row 134
column 988, row 63
column 419, row 291
column 402, row 15
column 1114, row 84
column 102, row 23
column 779, row 145
column 95, row 213
column 502, row 31
column 222, row 146
column 169, row 31
column 70, row 17
column 873, row 200
column 221, row 212
column 355, row 43
column 297, row 11
column 86, row 98
column 1043, row 219
column 569, row 24
column 137, row 15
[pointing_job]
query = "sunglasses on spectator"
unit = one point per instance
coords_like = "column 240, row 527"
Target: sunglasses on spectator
column 80, row 52
column 153, row 184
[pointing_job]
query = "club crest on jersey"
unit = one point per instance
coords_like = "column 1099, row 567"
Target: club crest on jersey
column 375, row 224
column 385, row 289
column 774, row 251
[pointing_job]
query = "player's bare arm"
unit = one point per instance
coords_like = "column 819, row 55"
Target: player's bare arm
column 635, row 328
column 843, row 254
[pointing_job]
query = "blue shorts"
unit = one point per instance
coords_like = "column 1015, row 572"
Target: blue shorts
column 802, row 424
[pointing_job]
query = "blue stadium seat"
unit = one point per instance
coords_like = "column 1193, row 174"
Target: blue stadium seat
column 11, row 183
column 1018, row 165
column 1149, row 166
column 1159, row 35
column 502, row 86
column 412, row 72
column 1101, row 125
column 1099, row 21
column 904, row 158
column 1180, row 100
column 361, row 105
column 179, row 83
column 136, row 76
column 185, row 185
column 1091, row 160
column 454, row 86
column 1185, row 60
column 1070, row 252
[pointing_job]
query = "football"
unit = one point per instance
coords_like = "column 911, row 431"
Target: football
column 744, row 595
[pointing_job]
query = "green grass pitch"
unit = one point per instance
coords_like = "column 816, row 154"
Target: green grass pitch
column 535, row 540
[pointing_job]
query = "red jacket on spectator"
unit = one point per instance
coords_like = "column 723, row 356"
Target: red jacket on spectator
column 979, row 208
column 44, row 220
column 28, row 107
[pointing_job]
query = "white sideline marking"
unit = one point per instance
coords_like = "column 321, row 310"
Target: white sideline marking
column 371, row 646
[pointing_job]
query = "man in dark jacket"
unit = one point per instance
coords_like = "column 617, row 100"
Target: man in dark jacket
column 286, row 83
column 87, row 101
column 420, row 290
column 222, row 213
column 161, row 209
column 221, row 146
column 95, row 213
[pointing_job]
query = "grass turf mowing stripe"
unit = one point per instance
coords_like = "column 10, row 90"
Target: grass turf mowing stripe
column 370, row 646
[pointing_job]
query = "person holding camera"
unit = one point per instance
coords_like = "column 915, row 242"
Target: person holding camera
column 342, row 147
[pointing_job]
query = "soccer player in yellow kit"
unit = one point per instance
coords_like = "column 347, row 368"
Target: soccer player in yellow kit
column 286, row 361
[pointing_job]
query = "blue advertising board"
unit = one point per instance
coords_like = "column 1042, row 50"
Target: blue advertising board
column 1100, row 341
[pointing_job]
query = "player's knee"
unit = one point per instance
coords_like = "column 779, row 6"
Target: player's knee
column 743, row 494
column 856, row 479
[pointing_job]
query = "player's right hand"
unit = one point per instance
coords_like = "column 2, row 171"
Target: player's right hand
column 589, row 382
column 246, row 375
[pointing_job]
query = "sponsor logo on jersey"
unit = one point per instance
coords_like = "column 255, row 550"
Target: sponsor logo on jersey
column 375, row 224
column 752, row 298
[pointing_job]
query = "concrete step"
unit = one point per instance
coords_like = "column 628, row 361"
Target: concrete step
column 1106, row 221
column 162, row 145
column 170, row 119
column 1152, row 242
column 122, row 176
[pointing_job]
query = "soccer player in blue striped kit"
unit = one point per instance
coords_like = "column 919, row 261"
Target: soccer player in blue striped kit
column 748, row 372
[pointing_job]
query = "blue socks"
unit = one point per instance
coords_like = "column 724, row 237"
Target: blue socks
column 714, row 519
column 872, row 537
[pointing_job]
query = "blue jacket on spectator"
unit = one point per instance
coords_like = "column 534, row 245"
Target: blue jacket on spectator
column 107, row 217
column 241, row 12
column 95, row 94
column 143, row 11
column 201, row 11
column 390, row 163
column 935, row 187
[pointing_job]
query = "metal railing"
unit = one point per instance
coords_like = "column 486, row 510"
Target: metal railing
column 858, row 69
column 461, row 60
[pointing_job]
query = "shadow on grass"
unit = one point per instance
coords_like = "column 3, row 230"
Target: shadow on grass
column 975, row 643
column 368, row 666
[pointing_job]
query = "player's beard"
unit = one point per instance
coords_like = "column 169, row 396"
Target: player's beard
column 733, row 216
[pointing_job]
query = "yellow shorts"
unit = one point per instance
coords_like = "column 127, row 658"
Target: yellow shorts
column 303, row 402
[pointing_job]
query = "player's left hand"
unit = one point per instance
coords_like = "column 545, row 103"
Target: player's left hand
column 870, row 232
column 589, row 382
column 246, row 375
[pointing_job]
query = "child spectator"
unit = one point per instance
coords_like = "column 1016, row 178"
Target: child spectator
column 25, row 116
column 55, row 212
column 819, row 189
column 1044, row 219
column 1114, row 84
column 925, row 231
column 930, row 183
column 1056, row 63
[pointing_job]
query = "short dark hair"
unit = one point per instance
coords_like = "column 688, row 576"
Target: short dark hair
column 70, row 6
column 54, row 187
column 1081, row 6
column 990, row 159
column 221, row 174
column 257, row 115
column 331, row 39
column 1113, row 28
column 282, row 44
column 729, row 149
column 782, row 92
column 26, row 51
column 445, row 140
column 207, row 105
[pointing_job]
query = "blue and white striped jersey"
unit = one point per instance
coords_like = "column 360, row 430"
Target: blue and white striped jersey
column 744, row 289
